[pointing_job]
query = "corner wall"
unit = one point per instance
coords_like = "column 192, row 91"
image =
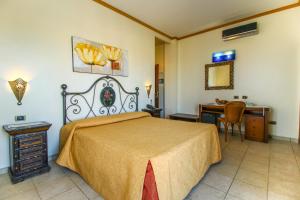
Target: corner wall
column 265, row 69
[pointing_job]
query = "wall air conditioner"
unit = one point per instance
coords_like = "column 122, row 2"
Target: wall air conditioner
column 240, row 31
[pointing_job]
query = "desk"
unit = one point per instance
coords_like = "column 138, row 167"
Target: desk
column 256, row 119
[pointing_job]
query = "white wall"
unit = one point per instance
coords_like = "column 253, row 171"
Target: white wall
column 265, row 69
column 35, row 44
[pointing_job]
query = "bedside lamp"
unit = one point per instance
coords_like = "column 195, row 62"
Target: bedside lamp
column 148, row 89
column 18, row 87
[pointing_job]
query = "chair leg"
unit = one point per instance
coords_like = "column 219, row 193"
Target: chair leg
column 219, row 126
column 226, row 131
column 240, row 130
column 232, row 126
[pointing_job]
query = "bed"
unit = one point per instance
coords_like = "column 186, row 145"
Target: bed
column 129, row 155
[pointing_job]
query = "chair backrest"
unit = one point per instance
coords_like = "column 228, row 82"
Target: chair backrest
column 234, row 111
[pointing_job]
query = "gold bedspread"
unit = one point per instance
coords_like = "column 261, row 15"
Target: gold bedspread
column 111, row 153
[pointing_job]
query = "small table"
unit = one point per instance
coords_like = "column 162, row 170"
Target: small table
column 28, row 149
column 154, row 112
column 185, row 117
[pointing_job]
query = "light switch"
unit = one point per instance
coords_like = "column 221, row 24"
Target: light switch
column 20, row 118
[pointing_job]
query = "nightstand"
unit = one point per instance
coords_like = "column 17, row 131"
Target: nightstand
column 28, row 149
column 154, row 112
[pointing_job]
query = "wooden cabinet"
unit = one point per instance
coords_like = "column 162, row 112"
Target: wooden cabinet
column 28, row 149
column 254, row 128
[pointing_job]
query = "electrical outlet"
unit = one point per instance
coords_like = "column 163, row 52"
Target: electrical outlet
column 244, row 97
column 20, row 118
column 272, row 122
column 236, row 97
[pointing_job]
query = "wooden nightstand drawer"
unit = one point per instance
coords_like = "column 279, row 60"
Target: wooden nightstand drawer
column 29, row 140
column 30, row 152
column 29, row 164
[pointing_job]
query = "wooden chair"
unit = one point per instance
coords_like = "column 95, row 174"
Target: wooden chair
column 233, row 112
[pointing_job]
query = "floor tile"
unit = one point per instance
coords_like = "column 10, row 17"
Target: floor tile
column 284, row 187
column 254, row 157
column 203, row 191
column 73, row 194
column 84, row 187
column 7, row 189
column 54, row 173
column 49, row 189
column 252, row 178
column 28, row 195
column 247, row 192
column 225, row 169
column 254, row 166
column 231, row 197
column 285, row 166
column 276, row 196
column 218, row 181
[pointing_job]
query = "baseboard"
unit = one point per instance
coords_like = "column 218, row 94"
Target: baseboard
column 293, row 140
column 5, row 170
column 274, row 137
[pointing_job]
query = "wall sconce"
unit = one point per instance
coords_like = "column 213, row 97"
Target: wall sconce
column 148, row 89
column 18, row 87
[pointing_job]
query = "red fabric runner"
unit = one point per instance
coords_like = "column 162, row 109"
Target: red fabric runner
column 150, row 189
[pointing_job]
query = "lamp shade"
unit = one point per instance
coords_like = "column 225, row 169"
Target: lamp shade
column 148, row 89
column 18, row 87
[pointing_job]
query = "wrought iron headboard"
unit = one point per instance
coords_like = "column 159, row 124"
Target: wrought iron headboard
column 113, row 99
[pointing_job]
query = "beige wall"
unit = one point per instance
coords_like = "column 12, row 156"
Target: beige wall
column 36, row 45
column 171, row 54
column 265, row 69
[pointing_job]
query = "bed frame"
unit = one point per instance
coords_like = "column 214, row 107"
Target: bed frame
column 112, row 99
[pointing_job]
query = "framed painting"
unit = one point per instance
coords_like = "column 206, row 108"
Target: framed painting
column 97, row 58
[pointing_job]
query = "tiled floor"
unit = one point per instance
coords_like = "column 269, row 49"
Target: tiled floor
column 249, row 170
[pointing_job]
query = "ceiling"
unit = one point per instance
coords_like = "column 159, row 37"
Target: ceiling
column 178, row 18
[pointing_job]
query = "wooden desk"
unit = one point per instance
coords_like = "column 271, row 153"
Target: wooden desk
column 256, row 120
column 185, row 117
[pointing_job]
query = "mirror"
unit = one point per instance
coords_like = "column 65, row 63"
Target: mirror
column 219, row 76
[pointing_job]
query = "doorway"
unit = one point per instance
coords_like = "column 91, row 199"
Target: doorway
column 159, row 100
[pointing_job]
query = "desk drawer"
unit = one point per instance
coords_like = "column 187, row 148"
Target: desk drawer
column 254, row 127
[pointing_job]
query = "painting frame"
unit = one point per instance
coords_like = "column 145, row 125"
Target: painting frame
column 97, row 58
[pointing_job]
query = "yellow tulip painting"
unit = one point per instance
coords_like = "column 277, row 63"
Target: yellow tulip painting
column 97, row 58
column 90, row 54
column 113, row 54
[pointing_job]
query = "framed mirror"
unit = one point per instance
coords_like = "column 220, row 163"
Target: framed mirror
column 219, row 76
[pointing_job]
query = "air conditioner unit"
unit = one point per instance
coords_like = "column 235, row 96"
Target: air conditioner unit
column 240, row 31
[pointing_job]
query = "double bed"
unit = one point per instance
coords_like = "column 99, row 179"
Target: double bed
column 131, row 155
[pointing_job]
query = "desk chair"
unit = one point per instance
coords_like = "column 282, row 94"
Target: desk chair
column 233, row 114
